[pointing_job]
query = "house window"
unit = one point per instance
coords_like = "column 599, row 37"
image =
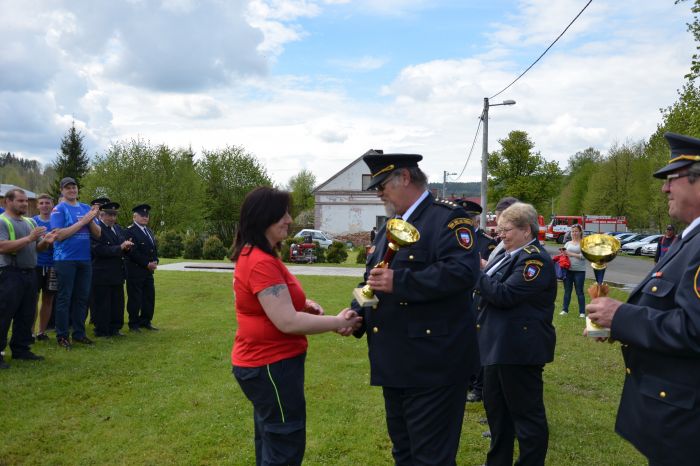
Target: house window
column 381, row 220
column 366, row 180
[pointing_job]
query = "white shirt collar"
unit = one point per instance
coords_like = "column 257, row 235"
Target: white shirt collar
column 406, row 215
column 693, row 225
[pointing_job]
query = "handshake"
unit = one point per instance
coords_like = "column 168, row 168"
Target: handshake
column 347, row 320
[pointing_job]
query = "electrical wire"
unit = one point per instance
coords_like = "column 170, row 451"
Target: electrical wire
column 543, row 53
column 476, row 135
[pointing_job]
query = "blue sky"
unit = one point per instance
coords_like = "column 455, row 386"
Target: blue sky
column 315, row 83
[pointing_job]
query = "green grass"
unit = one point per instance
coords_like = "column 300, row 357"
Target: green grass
column 169, row 397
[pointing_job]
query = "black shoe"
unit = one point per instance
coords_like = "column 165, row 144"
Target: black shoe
column 63, row 342
column 83, row 340
column 3, row 364
column 28, row 356
column 134, row 329
column 42, row 337
column 150, row 327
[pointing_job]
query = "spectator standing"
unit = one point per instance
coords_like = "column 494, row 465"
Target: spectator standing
column 141, row 264
column 576, row 274
column 20, row 239
column 665, row 242
column 71, row 256
column 109, row 273
column 372, row 235
column 47, row 282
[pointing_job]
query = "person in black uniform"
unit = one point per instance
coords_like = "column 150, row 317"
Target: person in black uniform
column 141, row 263
column 659, row 329
column 516, row 338
column 421, row 336
column 485, row 244
column 109, row 273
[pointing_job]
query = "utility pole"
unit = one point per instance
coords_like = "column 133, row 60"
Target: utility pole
column 444, row 182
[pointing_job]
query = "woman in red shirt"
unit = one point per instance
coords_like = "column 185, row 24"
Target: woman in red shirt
column 273, row 317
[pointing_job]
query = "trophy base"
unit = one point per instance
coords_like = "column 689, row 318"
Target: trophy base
column 596, row 331
column 363, row 300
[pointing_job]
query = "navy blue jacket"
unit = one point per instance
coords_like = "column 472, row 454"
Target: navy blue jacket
column 423, row 334
column 659, row 328
column 143, row 251
column 107, row 257
column 515, row 309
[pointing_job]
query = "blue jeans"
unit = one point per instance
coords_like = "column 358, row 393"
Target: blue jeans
column 74, row 280
column 576, row 279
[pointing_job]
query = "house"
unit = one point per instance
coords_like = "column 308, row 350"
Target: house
column 343, row 204
column 30, row 195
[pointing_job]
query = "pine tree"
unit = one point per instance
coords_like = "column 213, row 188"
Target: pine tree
column 72, row 161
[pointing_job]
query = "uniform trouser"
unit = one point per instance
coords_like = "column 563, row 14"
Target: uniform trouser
column 514, row 405
column 17, row 305
column 142, row 299
column 74, row 280
column 279, row 409
column 108, row 308
column 425, row 423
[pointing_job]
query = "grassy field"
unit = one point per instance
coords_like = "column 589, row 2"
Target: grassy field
column 169, row 397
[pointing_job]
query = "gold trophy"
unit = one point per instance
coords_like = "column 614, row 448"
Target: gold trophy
column 399, row 233
column 599, row 250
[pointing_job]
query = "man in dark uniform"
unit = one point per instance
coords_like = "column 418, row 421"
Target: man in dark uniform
column 421, row 336
column 141, row 263
column 485, row 244
column 659, row 329
column 109, row 273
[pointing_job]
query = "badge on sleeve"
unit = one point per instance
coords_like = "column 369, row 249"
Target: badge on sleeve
column 532, row 270
column 696, row 284
column 465, row 238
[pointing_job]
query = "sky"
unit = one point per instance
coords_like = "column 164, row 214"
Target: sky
column 314, row 84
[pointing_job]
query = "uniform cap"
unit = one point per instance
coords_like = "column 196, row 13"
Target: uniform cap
column 684, row 151
column 142, row 209
column 100, row 201
column 471, row 207
column 381, row 165
column 110, row 207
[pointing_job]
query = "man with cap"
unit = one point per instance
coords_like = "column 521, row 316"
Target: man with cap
column 665, row 242
column 72, row 261
column 141, row 263
column 20, row 239
column 659, row 328
column 422, row 334
column 109, row 273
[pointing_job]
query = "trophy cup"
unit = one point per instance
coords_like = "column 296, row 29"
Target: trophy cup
column 399, row 233
column 599, row 250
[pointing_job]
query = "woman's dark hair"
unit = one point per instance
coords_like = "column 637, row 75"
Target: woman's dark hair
column 261, row 208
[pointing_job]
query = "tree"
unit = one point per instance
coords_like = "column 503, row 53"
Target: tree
column 136, row 172
column 581, row 167
column 694, row 28
column 72, row 161
column 516, row 171
column 301, row 187
column 228, row 175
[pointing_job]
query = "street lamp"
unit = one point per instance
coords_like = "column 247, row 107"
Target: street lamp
column 444, row 182
column 485, row 155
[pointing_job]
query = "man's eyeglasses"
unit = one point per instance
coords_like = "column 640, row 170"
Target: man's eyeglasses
column 675, row 176
column 383, row 184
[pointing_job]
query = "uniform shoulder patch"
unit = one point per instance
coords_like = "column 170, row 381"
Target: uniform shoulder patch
column 445, row 203
column 532, row 270
column 531, row 249
column 458, row 221
column 696, row 284
column 491, row 247
column 465, row 238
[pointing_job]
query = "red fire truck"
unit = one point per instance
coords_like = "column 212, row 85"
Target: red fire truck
column 561, row 224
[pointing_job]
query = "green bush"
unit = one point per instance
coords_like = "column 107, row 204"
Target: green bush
column 361, row 255
column 192, row 247
column 320, row 253
column 169, row 244
column 213, row 249
column 286, row 244
column 337, row 253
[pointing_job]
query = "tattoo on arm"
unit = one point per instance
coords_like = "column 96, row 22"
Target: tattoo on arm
column 273, row 290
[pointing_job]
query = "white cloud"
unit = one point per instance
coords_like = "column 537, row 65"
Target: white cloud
column 366, row 63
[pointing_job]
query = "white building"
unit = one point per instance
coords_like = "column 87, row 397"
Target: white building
column 343, row 204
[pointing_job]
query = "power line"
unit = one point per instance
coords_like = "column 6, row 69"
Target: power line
column 476, row 135
column 543, row 53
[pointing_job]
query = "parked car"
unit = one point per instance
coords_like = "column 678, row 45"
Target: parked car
column 634, row 237
column 324, row 239
column 635, row 247
column 650, row 249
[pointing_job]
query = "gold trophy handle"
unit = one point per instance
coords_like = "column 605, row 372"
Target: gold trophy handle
column 597, row 290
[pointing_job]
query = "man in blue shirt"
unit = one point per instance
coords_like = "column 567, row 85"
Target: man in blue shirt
column 72, row 262
column 47, row 283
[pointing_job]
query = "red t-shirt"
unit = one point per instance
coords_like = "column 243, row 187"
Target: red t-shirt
column 258, row 342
